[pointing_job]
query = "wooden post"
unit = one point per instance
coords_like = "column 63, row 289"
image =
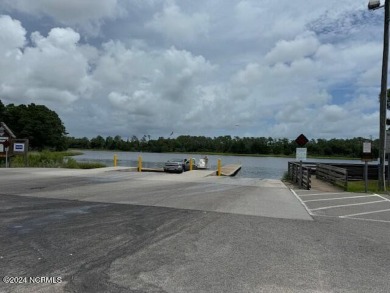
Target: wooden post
column 289, row 170
column 366, row 176
column 26, row 146
column 115, row 160
column 6, row 157
column 300, row 174
column 139, row 164
column 219, row 167
column 190, row 164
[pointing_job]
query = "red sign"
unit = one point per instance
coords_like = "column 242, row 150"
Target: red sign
column 6, row 143
column 301, row 140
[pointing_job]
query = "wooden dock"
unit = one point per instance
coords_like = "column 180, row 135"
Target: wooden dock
column 230, row 170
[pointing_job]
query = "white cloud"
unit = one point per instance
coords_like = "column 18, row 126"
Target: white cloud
column 288, row 51
column 12, row 35
column 53, row 68
column 269, row 67
column 176, row 25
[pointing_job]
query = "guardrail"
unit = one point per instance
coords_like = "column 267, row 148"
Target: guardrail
column 300, row 174
column 335, row 175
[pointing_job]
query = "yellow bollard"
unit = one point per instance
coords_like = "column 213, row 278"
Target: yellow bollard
column 139, row 164
column 219, row 167
column 190, row 164
column 115, row 160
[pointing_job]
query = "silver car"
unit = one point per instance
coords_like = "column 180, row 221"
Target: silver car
column 178, row 165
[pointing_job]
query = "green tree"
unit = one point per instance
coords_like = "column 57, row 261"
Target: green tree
column 98, row 142
column 2, row 111
column 39, row 124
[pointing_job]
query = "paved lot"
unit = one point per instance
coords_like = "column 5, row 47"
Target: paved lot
column 191, row 190
column 358, row 206
column 51, row 227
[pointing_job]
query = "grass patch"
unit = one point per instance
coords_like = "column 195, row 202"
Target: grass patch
column 71, row 163
column 71, row 153
column 359, row 186
column 48, row 159
column 286, row 176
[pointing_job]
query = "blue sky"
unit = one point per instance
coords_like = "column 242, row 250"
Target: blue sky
column 223, row 67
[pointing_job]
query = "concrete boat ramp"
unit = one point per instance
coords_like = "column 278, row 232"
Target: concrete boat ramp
column 194, row 190
column 186, row 232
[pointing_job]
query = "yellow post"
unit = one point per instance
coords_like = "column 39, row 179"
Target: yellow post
column 139, row 164
column 190, row 164
column 219, row 167
column 115, row 160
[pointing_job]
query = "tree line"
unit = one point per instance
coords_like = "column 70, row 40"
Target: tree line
column 45, row 130
column 225, row 144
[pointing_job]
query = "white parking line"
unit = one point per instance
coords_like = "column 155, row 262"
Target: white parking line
column 351, row 216
column 324, row 193
column 382, row 197
column 369, row 220
column 347, row 205
column 305, row 206
column 326, row 199
column 366, row 213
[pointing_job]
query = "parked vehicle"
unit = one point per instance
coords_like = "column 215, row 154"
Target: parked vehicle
column 179, row 165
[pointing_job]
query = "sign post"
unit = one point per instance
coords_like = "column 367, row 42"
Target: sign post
column 367, row 156
column 6, row 146
column 301, row 155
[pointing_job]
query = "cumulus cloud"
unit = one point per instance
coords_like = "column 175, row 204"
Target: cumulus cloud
column 52, row 68
column 12, row 34
column 177, row 25
column 195, row 68
column 288, row 51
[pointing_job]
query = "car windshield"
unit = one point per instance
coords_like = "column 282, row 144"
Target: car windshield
column 176, row 160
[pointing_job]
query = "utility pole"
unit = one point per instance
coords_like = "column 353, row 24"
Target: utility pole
column 373, row 5
column 383, row 101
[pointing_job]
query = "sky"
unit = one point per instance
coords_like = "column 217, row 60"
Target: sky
column 247, row 68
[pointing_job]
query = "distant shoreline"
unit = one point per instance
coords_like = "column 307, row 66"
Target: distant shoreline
column 80, row 152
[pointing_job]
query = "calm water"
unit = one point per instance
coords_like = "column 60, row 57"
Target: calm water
column 252, row 167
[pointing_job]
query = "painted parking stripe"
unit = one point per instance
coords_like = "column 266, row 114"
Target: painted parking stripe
column 324, row 193
column 349, row 197
column 369, row 220
column 382, row 197
column 366, row 213
column 301, row 201
column 347, row 205
column 351, row 216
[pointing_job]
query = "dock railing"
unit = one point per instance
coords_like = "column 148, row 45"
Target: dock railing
column 300, row 174
column 335, row 175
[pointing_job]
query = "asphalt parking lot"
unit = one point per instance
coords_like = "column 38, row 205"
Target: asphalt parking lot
column 347, row 205
column 97, row 231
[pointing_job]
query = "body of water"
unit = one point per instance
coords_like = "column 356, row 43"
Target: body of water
column 252, row 167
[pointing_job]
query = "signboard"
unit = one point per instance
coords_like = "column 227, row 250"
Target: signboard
column 367, row 155
column 19, row 147
column 367, row 147
column 301, row 154
column 301, row 140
